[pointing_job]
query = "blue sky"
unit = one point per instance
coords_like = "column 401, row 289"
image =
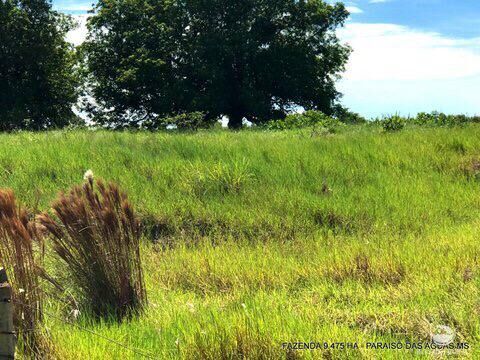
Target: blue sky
column 450, row 17
column 408, row 55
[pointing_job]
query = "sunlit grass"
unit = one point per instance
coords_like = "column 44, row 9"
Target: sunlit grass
column 263, row 238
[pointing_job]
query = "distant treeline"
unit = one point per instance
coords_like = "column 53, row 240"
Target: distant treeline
column 342, row 117
column 435, row 118
column 317, row 120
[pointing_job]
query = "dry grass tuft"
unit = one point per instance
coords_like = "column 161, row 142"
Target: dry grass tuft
column 362, row 269
column 18, row 238
column 97, row 234
column 470, row 167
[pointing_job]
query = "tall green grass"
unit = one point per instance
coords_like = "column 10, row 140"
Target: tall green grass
column 267, row 184
column 256, row 238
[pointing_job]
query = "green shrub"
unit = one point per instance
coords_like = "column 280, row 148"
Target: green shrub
column 188, row 121
column 346, row 116
column 183, row 122
column 308, row 119
column 457, row 120
column 440, row 119
column 393, row 123
column 424, row 119
column 293, row 121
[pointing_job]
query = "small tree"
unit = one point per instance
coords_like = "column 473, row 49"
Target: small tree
column 254, row 59
column 37, row 85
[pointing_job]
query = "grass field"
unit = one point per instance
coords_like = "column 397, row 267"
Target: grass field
column 254, row 239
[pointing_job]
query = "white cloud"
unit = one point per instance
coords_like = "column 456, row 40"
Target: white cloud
column 394, row 52
column 354, row 10
column 79, row 34
column 378, row 1
column 395, row 68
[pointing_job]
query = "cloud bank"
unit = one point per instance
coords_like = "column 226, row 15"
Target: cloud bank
column 394, row 52
column 394, row 68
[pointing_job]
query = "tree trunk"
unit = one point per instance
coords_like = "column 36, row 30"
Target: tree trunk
column 235, row 121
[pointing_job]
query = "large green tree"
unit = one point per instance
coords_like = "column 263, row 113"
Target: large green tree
column 37, row 84
column 254, row 59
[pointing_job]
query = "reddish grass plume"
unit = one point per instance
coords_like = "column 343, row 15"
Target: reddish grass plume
column 21, row 251
column 96, row 232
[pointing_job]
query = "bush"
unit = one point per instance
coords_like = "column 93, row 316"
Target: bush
column 393, row 123
column 440, row 119
column 188, row 121
column 348, row 117
column 424, row 119
column 96, row 233
column 184, row 122
column 18, row 236
column 308, row 119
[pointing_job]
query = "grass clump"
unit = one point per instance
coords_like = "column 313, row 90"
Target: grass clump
column 18, row 237
column 96, row 233
column 221, row 178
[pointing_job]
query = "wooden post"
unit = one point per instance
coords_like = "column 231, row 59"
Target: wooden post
column 7, row 334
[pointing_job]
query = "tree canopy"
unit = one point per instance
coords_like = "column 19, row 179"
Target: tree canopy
column 254, row 59
column 37, row 84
